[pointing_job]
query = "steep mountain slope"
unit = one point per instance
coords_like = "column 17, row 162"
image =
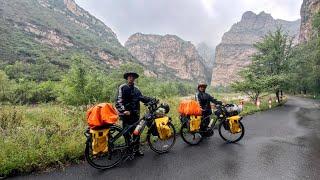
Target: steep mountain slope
column 207, row 53
column 236, row 47
column 308, row 9
column 168, row 56
column 42, row 34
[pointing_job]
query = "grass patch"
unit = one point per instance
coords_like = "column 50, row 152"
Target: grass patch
column 250, row 108
column 34, row 138
column 310, row 96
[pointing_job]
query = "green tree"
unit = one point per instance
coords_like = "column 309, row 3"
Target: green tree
column 305, row 63
column 73, row 87
column 252, row 83
column 301, row 68
column 6, row 87
column 316, row 60
column 272, row 60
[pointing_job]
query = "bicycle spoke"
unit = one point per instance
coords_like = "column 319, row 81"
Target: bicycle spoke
column 113, row 156
column 162, row 145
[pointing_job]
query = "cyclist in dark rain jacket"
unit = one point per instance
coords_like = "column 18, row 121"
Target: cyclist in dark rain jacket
column 128, row 103
column 204, row 100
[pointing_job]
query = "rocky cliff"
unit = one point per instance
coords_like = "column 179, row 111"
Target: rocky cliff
column 308, row 9
column 167, row 56
column 236, row 47
column 53, row 30
column 207, row 54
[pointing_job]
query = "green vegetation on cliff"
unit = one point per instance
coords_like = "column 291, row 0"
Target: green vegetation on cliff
column 38, row 38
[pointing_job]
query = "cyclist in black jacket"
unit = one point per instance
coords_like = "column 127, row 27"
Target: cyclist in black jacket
column 128, row 103
column 205, row 99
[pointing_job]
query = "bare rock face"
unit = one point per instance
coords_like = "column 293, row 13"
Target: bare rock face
column 167, row 56
column 236, row 47
column 308, row 9
column 207, row 53
column 61, row 26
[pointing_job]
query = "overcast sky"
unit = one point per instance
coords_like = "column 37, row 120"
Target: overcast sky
column 192, row 20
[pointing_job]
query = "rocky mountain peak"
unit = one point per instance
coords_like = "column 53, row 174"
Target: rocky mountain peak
column 167, row 56
column 72, row 6
column 236, row 47
column 249, row 16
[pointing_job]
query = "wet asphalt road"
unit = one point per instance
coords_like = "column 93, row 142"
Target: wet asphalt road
column 282, row 143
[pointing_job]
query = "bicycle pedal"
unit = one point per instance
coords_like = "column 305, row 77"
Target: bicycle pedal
column 129, row 157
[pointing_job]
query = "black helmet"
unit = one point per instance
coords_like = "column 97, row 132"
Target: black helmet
column 166, row 107
column 127, row 74
column 202, row 84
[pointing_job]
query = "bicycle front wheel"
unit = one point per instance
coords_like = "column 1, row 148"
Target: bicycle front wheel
column 225, row 133
column 161, row 146
column 117, row 145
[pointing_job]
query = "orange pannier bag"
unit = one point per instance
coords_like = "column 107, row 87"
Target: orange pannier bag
column 102, row 114
column 190, row 107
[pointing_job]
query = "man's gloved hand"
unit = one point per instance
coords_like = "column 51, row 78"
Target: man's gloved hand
column 219, row 103
column 155, row 100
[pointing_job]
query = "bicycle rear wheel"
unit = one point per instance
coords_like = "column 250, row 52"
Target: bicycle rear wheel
column 117, row 148
column 161, row 146
column 191, row 138
column 226, row 134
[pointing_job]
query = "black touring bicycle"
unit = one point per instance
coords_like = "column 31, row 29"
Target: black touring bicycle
column 121, row 148
column 230, row 126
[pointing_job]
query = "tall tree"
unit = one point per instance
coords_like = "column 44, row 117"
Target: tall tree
column 272, row 60
column 316, row 60
column 252, row 83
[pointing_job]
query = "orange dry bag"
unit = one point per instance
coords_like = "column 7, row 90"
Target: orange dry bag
column 190, row 107
column 102, row 114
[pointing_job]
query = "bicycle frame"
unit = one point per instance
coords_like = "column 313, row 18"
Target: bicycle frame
column 130, row 127
column 220, row 119
column 149, row 118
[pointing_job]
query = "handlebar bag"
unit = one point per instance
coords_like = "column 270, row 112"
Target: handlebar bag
column 234, row 124
column 233, row 109
column 102, row 114
column 164, row 131
column 195, row 122
column 99, row 141
column 190, row 107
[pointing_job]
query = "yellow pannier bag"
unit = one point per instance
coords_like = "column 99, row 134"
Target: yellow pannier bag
column 195, row 122
column 99, row 141
column 234, row 124
column 163, row 128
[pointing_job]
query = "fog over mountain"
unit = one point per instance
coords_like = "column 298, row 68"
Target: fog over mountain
column 194, row 20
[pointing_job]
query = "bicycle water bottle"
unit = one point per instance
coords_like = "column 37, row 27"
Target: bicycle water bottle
column 210, row 124
column 139, row 127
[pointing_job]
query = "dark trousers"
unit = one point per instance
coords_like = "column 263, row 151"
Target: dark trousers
column 128, row 121
column 205, row 121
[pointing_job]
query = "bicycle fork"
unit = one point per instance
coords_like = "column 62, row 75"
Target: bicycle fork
column 133, row 143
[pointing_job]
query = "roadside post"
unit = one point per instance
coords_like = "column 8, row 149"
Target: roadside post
column 241, row 104
column 270, row 102
column 258, row 103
